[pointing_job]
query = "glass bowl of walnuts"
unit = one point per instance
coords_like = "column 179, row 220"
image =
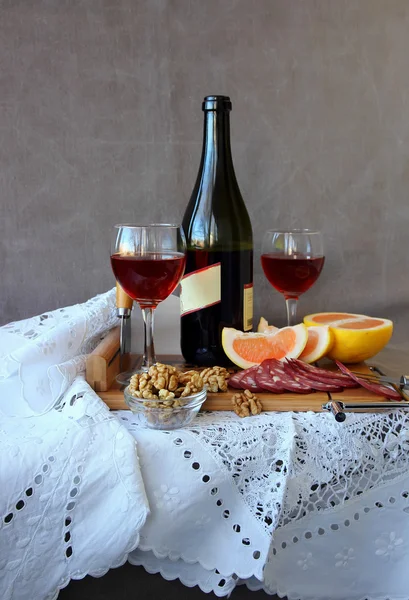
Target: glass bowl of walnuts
column 164, row 397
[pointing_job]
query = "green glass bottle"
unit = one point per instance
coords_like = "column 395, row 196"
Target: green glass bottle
column 217, row 288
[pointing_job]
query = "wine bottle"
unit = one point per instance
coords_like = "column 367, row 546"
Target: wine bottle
column 217, row 288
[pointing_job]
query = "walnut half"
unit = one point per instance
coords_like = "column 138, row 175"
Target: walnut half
column 215, row 379
column 193, row 385
column 164, row 377
column 166, row 383
column 246, row 404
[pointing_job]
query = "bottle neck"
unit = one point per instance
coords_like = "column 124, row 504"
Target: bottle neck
column 216, row 141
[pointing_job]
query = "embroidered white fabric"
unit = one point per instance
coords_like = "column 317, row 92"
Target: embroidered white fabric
column 292, row 503
column 72, row 499
column 283, row 502
column 40, row 357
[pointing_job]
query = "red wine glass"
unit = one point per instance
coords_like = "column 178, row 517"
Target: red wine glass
column 148, row 261
column 292, row 261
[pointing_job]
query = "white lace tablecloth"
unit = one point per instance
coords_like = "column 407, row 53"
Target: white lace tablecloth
column 293, row 503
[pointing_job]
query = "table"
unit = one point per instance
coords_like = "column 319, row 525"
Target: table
column 293, row 503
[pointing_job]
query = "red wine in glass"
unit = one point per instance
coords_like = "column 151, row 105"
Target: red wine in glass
column 292, row 261
column 292, row 275
column 149, row 278
column 148, row 262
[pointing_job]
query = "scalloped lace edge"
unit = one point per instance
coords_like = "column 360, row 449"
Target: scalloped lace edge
column 96, row 573
column 187, row 582
column 193, row 561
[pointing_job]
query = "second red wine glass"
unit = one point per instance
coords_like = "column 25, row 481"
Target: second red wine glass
column 148, row 261
column 292, row 261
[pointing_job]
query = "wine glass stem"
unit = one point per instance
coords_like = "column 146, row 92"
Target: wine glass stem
column 149, row 357
column 291, row 304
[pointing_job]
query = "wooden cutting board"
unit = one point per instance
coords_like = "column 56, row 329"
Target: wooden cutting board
column 103, row 366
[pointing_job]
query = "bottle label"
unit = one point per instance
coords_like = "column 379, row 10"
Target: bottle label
column 200, row 289
column 248, row 307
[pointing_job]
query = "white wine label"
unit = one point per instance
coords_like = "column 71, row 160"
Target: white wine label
column 200, row 289
column 248, row 307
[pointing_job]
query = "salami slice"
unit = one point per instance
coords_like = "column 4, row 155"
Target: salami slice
column 248, row 381
column 331, row 381
column 264, row 379
column 325, row 375
column 234, row 380
column 303, row 377
column 375, row 388
column 288, row 382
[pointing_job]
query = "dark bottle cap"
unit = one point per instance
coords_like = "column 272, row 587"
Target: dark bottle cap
column 216, row 103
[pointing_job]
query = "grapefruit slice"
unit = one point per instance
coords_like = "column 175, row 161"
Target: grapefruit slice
column 264, row 327
column 320, row 341
column 326, row 318
column 356, row 337
column 249, row 349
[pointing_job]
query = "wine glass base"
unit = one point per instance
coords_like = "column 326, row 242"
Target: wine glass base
column 125, row 377
column 133, row 364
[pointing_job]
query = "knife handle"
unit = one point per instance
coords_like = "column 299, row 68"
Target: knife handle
column 124, row 303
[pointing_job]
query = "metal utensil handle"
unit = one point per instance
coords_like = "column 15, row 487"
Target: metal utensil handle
column 376, row 405
column 337, row 410
column 337, row 407
column 404, row 381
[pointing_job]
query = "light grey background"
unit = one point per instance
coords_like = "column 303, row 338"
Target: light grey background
column 101, row 122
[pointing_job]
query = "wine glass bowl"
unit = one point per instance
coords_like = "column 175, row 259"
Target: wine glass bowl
column 292, row 261
column 148, row 262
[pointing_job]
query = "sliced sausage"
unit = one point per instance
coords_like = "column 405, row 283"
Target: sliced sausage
column 303, row 377
column 234, row 380
column 288, row 382
column 248, row 381
column 314, row 377
column 325, row 374
column 375, row 388
column 264, row 379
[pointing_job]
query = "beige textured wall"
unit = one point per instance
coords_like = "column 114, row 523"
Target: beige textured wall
column 101, row 122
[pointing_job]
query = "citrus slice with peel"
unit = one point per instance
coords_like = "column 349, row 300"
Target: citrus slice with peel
column 327, row 318
column 248, row 349
column 356, row 337
column 264, row 327
column 320, row 341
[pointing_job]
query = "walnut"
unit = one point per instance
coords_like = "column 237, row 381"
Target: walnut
column 215, row 378
column 193, row 386
column 165, row 383
column 153, row 404
column 134, row 383
column 144, row 381
column 214, row 371
column 192, row 381
column 246, row 404
column 186, row 376
column 165, row 394
column 164, row 377
column 148, row 395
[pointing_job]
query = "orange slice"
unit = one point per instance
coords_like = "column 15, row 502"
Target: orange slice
column 249, row 349
column 356, row 337
column 320, row 341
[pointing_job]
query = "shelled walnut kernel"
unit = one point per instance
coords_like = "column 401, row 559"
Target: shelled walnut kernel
column 246, row 404
column 163, row 386
column 164, row 377
column 141, row 386
column 215, row 378
column 192, row 386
